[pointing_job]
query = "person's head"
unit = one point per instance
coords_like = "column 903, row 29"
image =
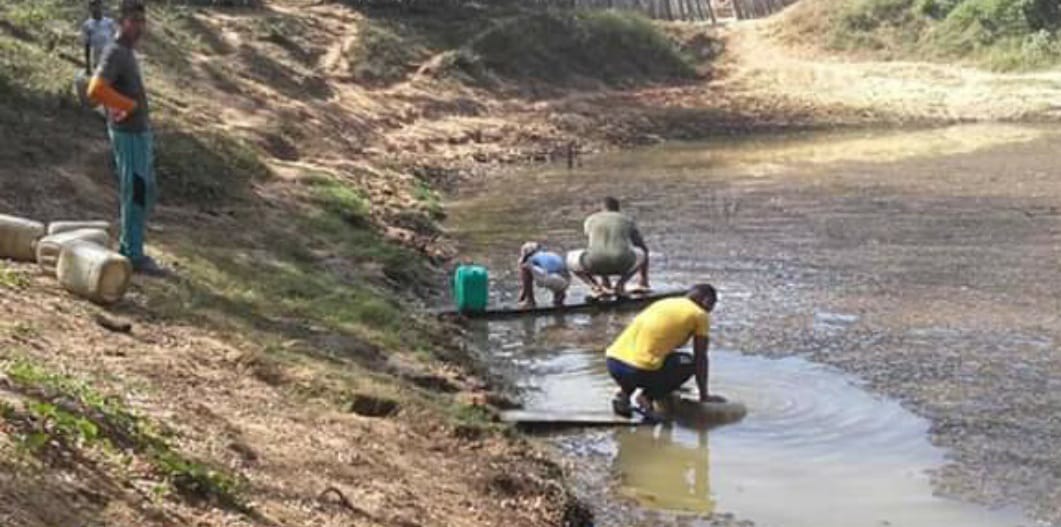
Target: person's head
column 95, row 8
column 704, row 295
column 611, row 204
column 132, row 20
column 528, row 249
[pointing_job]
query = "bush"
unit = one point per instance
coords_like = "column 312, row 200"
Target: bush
column 986, row 21
column 383, row 54
column 1002, row 34
column 607, row 46
column 937, row 9
column 1043, row 14
column 867, row 15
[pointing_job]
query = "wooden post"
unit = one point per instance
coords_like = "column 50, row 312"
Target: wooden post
column 737, row 11
column 698, row 9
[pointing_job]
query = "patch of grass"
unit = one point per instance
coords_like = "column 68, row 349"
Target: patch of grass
column 22, row 330
column 473, row 414
column 201, row 167
column 426, row 195
column 999, row 34
column 274, row 292
column 13, row 278
column 384, row 52
column 340, row 200
column 61, row 413
column 616, row 48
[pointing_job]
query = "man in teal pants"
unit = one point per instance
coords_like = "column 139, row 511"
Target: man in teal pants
column 118, row 86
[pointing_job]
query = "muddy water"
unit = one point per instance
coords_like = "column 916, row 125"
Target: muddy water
column 766, row 220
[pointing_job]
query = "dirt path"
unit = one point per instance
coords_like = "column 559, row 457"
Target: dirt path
column 759, row 65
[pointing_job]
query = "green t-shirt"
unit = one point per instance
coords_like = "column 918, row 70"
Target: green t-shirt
column 611, row 243
column 119, row 67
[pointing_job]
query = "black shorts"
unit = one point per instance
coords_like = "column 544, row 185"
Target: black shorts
column 657, row 384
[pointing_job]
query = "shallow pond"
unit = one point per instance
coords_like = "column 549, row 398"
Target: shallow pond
column 816, row 448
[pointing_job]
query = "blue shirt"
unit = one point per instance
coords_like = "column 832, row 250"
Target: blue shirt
column 550, row 262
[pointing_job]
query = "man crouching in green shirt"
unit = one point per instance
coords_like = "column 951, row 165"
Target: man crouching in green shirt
column 118, row 86
column 615, row 249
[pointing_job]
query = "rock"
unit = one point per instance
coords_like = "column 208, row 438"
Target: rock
column 113, row 323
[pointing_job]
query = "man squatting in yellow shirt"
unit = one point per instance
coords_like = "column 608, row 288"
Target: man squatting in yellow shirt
column 644, row 355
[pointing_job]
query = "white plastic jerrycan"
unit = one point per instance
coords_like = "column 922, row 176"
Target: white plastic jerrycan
column 18, row 237
column 49, row 247
column 93, row 271
column 57, row 227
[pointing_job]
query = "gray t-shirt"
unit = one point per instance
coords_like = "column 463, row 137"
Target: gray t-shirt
column 120, row 68
column 612, row 237
column 97, row 34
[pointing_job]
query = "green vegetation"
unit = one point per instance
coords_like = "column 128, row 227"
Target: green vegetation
column 613, row 47
column 384, row 53
column 204, row 167
column 430, row 199
column 563, row 47
column 1001, row 34
column 12, row 278
column 62, row 414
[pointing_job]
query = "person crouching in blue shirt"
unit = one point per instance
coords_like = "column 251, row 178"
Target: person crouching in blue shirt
column 543, row 268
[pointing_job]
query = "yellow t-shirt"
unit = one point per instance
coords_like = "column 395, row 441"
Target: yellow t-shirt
column 657, row 331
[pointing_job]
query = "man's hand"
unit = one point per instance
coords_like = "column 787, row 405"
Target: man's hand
column 706, row 398
column 119, row 115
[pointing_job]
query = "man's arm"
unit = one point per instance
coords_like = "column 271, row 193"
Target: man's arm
column 638, row 240
column 101, row 92
column 700, row 345
column 100, row 88
column 87, row 41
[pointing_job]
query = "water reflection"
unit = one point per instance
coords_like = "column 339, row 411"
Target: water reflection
column 683, row 484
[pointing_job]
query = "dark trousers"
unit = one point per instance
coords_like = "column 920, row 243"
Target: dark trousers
column 657, row 384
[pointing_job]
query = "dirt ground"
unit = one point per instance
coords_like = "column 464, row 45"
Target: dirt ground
column 280, row 426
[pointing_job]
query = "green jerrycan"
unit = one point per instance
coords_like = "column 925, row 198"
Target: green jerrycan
column 470, row 288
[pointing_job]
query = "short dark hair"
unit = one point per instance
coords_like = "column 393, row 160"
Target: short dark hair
column 704, row 292
column 132, row 7
column 611, row 203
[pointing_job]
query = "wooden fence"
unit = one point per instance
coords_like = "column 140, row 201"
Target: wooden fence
column 697, row 10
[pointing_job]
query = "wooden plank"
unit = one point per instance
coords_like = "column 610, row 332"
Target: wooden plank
column 542, row 310
column 543, row 419
column 687, row 412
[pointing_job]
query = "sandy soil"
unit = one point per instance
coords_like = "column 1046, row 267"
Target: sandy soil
column 899, row 90
column 295, row 102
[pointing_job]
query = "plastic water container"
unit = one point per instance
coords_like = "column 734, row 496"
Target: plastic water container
column 18, row 236
column 470, row 288
column 93, row 271
column 57, row 227
column 49, row 247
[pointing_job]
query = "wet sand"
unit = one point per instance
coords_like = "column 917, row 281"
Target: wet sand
column 924, row 264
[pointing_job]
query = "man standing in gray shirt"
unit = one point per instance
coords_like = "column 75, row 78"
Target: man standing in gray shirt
column 118, row 86
column 96, row 34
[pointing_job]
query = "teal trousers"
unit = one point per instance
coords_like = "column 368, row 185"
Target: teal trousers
column 134, row 161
